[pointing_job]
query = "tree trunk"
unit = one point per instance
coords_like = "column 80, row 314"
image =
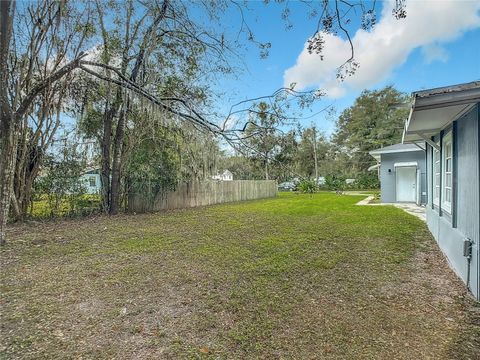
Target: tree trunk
column 315, row 155
column 7, row 155
column 14, row 204
column 266, row 167
column 117, row 161
column 19, row 175
column 7, row 119
column 28, row 160
column 26, row 199
column 106, row 145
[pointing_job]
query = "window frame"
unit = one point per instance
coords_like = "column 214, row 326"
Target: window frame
column 436, row 185
column 447, row 172
column 90, row 178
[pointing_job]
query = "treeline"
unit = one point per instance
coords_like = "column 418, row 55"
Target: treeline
column 375, row 120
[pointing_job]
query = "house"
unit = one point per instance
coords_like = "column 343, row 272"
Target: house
column 402, row 173
column 225, row 176
column 447, row 119
column 92, row 181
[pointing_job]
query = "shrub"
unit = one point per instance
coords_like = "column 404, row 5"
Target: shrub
column 307, row 186
column 60, row 187
column 335, row 182
column 366, row 182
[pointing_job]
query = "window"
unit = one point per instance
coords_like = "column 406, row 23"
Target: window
column 447, row 173
column 436, row 177
column 92, row 181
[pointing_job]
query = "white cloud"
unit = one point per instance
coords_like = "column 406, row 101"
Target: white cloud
column 434, row 52
column 387, row 46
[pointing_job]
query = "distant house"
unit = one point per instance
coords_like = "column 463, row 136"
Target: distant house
column 448, row 120
column 225, row 176
column 402, row 173
column 92, row 181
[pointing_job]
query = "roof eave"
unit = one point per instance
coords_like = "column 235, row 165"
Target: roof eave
column 426, row 102
column 447, row 99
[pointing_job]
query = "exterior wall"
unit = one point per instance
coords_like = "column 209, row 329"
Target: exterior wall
column 201, row 194
column 387, row 179
column 450, row 231
column 85, row 179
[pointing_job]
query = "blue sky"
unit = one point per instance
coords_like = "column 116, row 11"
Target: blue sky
column 437, row 45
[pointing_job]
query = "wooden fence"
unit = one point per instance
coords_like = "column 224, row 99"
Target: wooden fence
column 201, row 194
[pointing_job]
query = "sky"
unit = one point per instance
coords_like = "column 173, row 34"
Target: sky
column 438, row 44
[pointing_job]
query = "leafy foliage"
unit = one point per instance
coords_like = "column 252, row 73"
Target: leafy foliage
column 261, row 135
column 153, row 166
column 307, row 186
column 335, row 182
column 61, row 185
column 373, row 121
column 312, row 142
column 366, row 182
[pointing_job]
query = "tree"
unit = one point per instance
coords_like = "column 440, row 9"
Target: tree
column 31, row 67
column 262, row 141
column 160, row 48
column 7, row 126
column 313, row 149
column 284, row 163
column 373, row 121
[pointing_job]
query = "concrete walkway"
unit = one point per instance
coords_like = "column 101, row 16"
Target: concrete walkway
column 411, row 208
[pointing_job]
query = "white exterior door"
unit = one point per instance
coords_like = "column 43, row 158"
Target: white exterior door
column 406, row 184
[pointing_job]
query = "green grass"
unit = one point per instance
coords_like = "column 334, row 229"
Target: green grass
column 297, row 276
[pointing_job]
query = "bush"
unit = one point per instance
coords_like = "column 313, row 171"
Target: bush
column 307, row 186
column 366, row 182
column 335, row 182
column 362, row 182
column 59, row 191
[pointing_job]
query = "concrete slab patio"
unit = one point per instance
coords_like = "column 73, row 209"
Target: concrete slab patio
column 412, row 209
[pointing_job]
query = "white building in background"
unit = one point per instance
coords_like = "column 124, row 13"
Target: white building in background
column 92, row 181
column 225, row 176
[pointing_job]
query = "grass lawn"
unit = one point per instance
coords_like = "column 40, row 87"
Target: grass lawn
column 298, row 276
